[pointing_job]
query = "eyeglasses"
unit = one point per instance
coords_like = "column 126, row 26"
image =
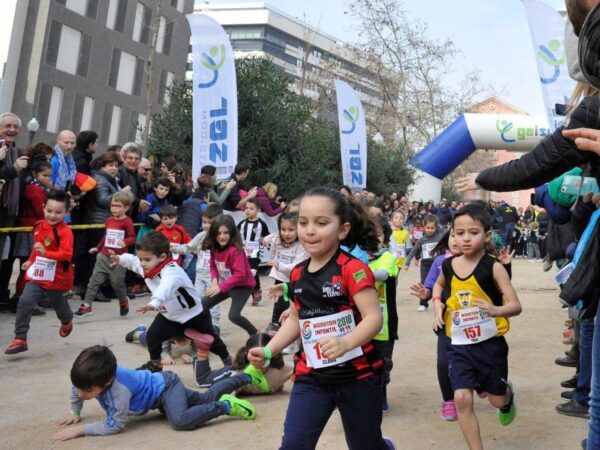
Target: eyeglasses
column 147, row 169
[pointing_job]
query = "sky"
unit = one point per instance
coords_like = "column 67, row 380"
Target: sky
column 492, row 36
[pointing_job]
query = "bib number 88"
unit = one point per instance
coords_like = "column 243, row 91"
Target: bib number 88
column 38, row 273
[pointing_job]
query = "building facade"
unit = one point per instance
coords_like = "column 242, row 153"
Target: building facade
column 83, row 64
column 310, row 57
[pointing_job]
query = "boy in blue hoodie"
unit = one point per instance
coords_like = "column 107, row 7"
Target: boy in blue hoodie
column 121, row 391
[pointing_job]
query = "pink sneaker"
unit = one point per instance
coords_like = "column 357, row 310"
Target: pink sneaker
column 449, row 411
column 482, row 394
column 203, row 341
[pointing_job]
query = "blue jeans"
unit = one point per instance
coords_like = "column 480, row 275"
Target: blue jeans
column 586, row 336
column 187, row 409
column 593, row 440
column 507, row 230
column 311, row 405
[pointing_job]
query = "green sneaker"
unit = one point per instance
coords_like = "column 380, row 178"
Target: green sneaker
column 240, row 408
column 258, row 378
column 507, row 413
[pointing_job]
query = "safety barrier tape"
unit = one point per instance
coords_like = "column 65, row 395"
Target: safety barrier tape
column 95, row 226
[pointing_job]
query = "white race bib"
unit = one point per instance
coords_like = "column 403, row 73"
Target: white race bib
column 472, row 325
column 400, row 251
column 418, row 235
column 224, row 272
column 251, row 249
column 339, row 324
column 113, row 237
column 282, row 258
column 203, row 260
column 427, row 249
column 42, row 269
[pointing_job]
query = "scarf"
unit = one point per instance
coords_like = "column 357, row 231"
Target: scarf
column 152, row 273
column 589, row 47
column 12, row 188
column 35, row 182
column 66, row 171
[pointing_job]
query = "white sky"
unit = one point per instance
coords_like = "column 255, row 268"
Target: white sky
column 492, row 35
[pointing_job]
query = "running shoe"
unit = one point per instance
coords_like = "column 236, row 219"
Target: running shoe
column 258, row 378
column 16, row 346
column 507, row 413
column 256, row 298
column 422, row 308
column 124, row 308
column 65, row 329
column 238, row 407
column 203, row 341
column 83, row 311
column 130, row 336
column 449, row 411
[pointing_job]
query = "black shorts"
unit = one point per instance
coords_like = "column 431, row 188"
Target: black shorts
column 480, row 366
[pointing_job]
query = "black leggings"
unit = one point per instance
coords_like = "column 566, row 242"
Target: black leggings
column 163, row 329
column 279, row 307
column 443, row 342
column 239, row 297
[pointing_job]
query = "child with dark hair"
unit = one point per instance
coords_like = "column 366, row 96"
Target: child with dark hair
column 120, row 235
column 49, row 271
column 156, row 200
column 96, row 374
column 253, row 229
column 276, row 373
column 176, row 234
column 174, row 296
column 334, row 293
column 423, row 248
column 231, row 275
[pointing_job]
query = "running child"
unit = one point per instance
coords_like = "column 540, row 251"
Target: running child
column 96, row 374
column 202, row 281
column 277, row 372
column 253, row 229
column 383, row 265
column 231, row 275
column 423, row 248
column 476, row 286
column 175, row 233
column 174, row 296
column 399, row 238
column 339, row 366
column 120, row 235
column 286, row 251
column 49, row 271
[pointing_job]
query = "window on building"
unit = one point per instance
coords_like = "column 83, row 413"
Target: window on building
column 117, row 11
column 160, row 40
column 166, row 79
column 115, row 124
column 54, row 110
column 126, row 73
column 139, row 77
column 138, row 22
column 92, row 9
column 84, row 55
column 68, row 50
column 168, row 36
column 87, row 114
column 139, row 124
column 79, row 6
column 180, row 5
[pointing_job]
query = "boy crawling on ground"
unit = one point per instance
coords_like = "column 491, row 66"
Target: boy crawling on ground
column 120, row 391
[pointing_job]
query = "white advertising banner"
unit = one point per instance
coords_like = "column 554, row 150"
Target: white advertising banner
column 215, row 123
column 548, row 34
column 353, row 136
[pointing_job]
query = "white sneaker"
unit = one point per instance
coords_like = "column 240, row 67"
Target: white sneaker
column 422, row 308
column 530, row 260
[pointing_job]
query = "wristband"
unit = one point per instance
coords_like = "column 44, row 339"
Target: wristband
column 267, row 352
column 437, row 298
column 78, row 413
column 286, row 292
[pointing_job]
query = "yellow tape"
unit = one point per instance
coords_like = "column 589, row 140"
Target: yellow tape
column 95, row 226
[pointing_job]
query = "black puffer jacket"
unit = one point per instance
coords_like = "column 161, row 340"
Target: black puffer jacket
column 552, row 157
column 96, row 208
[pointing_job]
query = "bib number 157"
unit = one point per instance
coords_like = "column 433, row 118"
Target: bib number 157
column 472, row 332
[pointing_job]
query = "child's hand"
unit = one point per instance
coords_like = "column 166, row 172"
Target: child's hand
column 256, row 357
column 93, row 251
column 168, row 361
column 505, row 257
column 69, row 433
column 438, row 312
column 419, row 290
column 120, row 243
column 333, row 347
column 39, row 248
column 212, row 290
column 114, row 259
column 275, row 292
column 71, row 419
column 25, row 266
column 155, row 217
column 488, row 308
column 145, row 309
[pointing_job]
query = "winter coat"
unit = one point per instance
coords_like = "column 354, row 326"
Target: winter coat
column 96, row 208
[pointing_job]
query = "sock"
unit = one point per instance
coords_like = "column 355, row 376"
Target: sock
column 249, row 378
column 227, row 406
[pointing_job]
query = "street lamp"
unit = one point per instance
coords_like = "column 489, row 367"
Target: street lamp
column 33, row 125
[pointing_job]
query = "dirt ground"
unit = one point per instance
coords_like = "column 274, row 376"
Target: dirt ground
column 35, row 384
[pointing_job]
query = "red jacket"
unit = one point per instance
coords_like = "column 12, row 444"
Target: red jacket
column 176, row 235
column 125, row 225
column 32, row 205
column 58, row 242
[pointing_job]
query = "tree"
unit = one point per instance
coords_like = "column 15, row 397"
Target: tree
column 279, row 135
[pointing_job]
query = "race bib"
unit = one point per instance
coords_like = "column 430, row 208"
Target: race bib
column 113, row 237
column 251, row 249
column 472, row 325
column 418, row 234
column 43, row 269
column 400, row 251
column 224, row 272
column 427, row 249
column 339, row 324
column 203, row 260
column 282, row 258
